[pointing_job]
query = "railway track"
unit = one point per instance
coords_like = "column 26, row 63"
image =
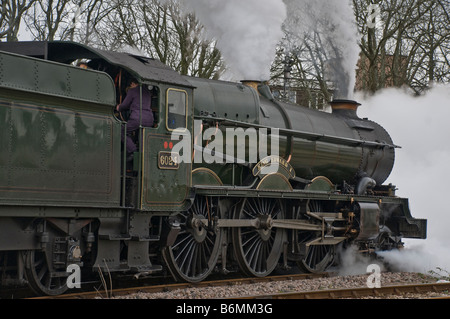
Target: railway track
column 357, row 293
column 440, row 290
column 171, row 287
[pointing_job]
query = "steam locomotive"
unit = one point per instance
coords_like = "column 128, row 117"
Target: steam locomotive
column 186, row 205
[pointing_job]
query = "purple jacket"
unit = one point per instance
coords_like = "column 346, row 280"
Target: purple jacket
column 132, row 103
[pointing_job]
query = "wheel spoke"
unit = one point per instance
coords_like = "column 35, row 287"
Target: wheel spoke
column 39, row 275
column 258, row 250
column 180, row 243
column 251, row 240
column 318, row 257
column 194, row 254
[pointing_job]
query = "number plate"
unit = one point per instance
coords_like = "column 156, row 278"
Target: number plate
column 168, row 160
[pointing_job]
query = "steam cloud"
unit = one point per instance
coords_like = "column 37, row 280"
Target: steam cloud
column 247, row 32
column 421, row 173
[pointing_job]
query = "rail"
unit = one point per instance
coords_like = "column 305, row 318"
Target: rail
column 171, row 287
column 355, row 292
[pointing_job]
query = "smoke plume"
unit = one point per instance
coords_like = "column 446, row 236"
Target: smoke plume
column 247, row 32
column 328, row 31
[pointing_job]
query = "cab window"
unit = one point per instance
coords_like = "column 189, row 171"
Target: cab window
column 176, row 109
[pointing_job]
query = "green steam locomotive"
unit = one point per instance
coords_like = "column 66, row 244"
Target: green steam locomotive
column 227, row 178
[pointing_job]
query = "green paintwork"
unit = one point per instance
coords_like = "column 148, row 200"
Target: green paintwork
column 325, row 144
column 204, row 176
column 316, row 143
column 274, row 181
column 43, row 77
column 320, row 184
column 56, row 148
column 225, row 100
column 164, row 187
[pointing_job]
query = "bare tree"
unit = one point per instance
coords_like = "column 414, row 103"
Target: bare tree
column 298, row 76
column 76, row 20
column 49, row 19
column 322, row 48
column 11, row 17
column 157, row 29
column 406, row 47
column 165, row 33
column 197, row 56
column 87, row 20
column 409, row 46
column 429, row 52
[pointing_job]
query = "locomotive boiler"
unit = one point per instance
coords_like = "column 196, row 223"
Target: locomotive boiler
column 194, row 199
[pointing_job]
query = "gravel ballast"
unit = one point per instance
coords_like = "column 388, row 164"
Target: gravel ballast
column 333, row 282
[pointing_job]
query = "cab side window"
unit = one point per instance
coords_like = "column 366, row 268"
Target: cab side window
column 176, row 109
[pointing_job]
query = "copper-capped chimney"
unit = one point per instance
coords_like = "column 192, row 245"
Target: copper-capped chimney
column 261, row 87
column 252, row 83
column 345, row 108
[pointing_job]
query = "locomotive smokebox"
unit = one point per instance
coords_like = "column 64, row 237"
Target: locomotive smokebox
column 346, row 108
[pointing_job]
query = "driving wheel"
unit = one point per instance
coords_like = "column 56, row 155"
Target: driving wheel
column 196, row 249
column 258, row 250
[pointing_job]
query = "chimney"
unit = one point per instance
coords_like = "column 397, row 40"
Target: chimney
column 261, row 87
column 346, row 108
column 252, row 83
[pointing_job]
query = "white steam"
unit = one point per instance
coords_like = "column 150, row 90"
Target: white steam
column 247, row 32
column 327, row 30
column 351, row 262
column 420, row 125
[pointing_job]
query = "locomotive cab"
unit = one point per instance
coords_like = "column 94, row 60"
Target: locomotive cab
column 172, row 106
column 154, row 163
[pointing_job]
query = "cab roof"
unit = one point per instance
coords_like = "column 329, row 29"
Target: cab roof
column 143, row 68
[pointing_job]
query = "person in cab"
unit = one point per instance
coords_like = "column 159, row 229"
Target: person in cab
column 132, row 104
